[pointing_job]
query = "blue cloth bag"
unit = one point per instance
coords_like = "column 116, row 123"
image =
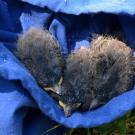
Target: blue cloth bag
column 26, row 109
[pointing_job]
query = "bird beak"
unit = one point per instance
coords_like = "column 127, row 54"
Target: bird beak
column 93, row 104
column 69, row 108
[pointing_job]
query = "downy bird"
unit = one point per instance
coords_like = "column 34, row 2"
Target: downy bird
column 40, row 53
column 95, row 75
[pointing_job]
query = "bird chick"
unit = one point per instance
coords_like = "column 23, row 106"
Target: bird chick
column 113, row 68
column 40, row 53
column 95, row 75
column 76, row 87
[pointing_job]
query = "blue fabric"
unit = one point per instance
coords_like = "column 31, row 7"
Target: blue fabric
column 87, row 6
column 25, row 108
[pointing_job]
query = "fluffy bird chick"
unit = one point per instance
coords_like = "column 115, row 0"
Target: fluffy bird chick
column 94, row 76
column 40, row 53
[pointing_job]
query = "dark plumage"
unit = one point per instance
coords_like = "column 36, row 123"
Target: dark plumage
column 94, row 76
column 40, row 53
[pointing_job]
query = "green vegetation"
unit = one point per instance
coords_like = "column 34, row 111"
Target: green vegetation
column 122, row 126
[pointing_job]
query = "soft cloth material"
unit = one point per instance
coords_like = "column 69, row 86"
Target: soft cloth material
column 26, row 109
column 87, row 6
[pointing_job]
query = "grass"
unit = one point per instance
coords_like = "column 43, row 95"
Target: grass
column 122, row 126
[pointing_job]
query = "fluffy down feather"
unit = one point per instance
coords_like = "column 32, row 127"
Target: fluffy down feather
column 40, row 53
column 95, row 75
